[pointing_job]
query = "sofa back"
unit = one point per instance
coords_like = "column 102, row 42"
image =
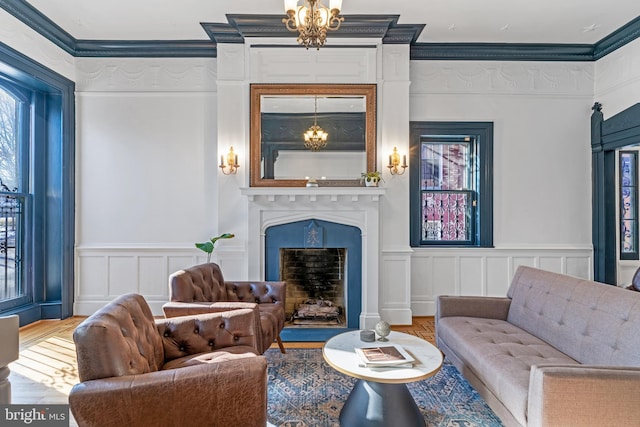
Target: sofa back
column 200, row 283
column 591, row 322
column 119, row 339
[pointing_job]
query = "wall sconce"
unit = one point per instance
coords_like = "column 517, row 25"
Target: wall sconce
column 394, row 162
column 232, row 163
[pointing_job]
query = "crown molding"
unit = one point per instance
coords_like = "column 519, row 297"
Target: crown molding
column 623, row 35
column 33, row 18
column 145, row 48
column 384, row 27
column 501, row 52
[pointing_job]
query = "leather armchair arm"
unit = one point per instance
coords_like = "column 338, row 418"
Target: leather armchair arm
column 468, row 306
column 175, row 308
column 258, row 292
column 581, row 395
column 231, row 393
column 186, row 335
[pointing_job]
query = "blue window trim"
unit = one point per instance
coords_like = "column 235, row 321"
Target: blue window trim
column 483, row 132
column 52, row 184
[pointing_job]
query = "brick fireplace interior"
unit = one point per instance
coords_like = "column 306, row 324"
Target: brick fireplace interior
column 315, row 286
column 321, row 262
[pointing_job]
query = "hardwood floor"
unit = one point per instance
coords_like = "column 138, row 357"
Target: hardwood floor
column 46, row 370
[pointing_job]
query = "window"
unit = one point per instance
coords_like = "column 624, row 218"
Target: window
column 628, row 205
column 451, row 190
column 37, row 126
column 14, row 120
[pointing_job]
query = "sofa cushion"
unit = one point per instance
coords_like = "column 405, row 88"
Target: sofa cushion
column 500, row 355
column 591, row 322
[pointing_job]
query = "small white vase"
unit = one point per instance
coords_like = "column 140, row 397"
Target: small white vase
column 372, row 183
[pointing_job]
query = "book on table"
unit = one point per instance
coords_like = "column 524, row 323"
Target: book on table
column 384, row 356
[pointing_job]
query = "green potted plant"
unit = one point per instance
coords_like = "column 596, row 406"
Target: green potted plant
column 371, row 179
column 210, row 245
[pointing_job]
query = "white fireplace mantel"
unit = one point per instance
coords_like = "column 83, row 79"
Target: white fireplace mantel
column 355, row 206
column 314, row 193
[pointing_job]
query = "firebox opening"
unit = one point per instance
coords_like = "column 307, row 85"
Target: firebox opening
column 316, row 285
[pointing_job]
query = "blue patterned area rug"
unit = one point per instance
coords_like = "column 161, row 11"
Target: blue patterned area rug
column 304, row 391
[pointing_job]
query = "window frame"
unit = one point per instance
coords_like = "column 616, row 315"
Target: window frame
column 23, row 98
column 636, row 254
column 51, row 185
column 482, row 132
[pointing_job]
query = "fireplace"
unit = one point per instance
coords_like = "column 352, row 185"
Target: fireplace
column 315, row 286
column 321, row 263
column 347, row 217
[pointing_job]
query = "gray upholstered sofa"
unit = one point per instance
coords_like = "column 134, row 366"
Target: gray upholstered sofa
column 557, row 351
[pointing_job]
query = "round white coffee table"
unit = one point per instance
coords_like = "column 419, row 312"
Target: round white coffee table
column 380, row 396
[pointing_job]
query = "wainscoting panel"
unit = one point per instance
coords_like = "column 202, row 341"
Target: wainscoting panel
column 395, row 289
column 471, row 272
column 484, row 271
column 105, row 273
column 498, row 272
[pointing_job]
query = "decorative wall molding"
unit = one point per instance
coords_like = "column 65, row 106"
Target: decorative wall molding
column 17, row 36
column 105, row 272
column 484, row 271
column 146, row 75
column 531, row 78
column 618, row 71
column 286, row 65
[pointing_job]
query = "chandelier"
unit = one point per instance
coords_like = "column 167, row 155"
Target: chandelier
column 315, row 138
column 312, row 20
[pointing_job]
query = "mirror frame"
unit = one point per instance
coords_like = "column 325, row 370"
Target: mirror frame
column 258, row 90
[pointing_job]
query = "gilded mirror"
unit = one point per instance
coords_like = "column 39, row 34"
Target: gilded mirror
column 280, row 116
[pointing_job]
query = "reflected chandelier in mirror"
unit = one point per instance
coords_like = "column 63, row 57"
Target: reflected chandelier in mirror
column 281, row 116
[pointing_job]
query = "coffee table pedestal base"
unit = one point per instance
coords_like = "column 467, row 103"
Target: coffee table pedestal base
column 372, row 404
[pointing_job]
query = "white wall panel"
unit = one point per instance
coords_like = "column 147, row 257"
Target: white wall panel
column 472, row 276
column 484, row 271
column 498, row 273
column 152, row 275
column 104, row 273
column 123, row 275
column 92, row 277
column 395, row 294
column 284, row 65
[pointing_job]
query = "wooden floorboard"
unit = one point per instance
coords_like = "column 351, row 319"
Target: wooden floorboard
column 47, row 369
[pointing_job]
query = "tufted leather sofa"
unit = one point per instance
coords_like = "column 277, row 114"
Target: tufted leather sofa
column 202, row 289
column 557, row 351
column 198, row 370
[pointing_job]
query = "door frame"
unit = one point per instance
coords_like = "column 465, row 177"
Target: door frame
column 607, row 136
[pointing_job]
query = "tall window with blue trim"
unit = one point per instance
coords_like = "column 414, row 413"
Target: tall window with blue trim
column 37, row 197
column 451, row 190
column 14, row 120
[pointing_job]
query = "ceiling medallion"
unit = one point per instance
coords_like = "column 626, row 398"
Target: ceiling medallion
column 312, row 20
column 315, row 138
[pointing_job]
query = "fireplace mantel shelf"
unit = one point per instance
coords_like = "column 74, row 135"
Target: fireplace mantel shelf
column 312, row 194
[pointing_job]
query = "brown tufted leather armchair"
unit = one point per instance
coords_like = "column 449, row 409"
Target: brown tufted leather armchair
column 202, row 289
column 198, row 370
